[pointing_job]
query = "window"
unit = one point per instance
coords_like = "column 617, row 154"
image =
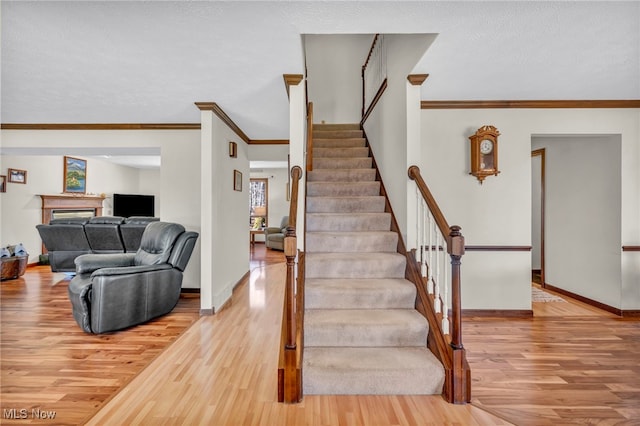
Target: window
column 259, row 203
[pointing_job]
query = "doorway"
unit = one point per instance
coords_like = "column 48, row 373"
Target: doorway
column 537, row 215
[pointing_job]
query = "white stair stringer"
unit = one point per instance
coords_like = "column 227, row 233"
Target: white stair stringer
column 363, row 334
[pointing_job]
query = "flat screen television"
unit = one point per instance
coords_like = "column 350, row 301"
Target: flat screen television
column 127, row 205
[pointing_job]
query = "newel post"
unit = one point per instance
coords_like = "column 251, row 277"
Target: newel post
column 290, row 247
column 461, row 374
column 456, row 251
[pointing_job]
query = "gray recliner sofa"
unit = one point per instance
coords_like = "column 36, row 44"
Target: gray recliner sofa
column 66, row 239
column 119, row 290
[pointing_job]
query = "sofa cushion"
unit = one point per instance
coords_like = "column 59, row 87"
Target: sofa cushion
column 107, row 220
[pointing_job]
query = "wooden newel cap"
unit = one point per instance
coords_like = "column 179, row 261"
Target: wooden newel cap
column 414, row 171
column 457, row 240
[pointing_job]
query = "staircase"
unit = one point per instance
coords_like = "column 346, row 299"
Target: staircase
column 362, row 333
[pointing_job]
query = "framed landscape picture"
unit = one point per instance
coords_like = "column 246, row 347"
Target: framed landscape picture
column 75, row 175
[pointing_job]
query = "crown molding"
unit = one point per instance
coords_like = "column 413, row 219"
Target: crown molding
column 100, row 126
column 417, row 79
column 622, row 103
column 291, row 80
column 215, row 108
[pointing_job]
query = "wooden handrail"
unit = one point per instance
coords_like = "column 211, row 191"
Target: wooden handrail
column 458, row 382
column 414, row 174
column 364, row 67
column 290, row 363
column 310, row 137
column 373, row 45
column 290, row 251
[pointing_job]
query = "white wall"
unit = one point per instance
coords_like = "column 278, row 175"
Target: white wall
column 582, row 215
column 334, row 64
column 499, row 211
column 21, row 206
column 386, row 127
column 148, row 185
column 179, row 183
column 225, row 243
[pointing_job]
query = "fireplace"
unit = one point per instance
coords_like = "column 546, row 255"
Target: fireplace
column 63, row 206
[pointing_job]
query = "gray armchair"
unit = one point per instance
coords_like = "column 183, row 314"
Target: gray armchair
column 118, row 290
column 274, row 237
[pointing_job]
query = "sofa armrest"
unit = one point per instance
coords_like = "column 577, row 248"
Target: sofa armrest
column 88, row 263
column 272, row 230
column 129, row 270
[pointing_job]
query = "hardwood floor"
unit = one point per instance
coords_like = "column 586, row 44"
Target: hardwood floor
column 569, row 364
column 48, row 363
column 222, row 371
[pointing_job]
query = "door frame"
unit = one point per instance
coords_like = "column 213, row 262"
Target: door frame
column 541, row 153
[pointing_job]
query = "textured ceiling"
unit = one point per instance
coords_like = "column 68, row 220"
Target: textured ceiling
column 149, row 61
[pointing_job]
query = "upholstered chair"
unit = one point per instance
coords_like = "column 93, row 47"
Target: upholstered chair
column 118, row 290
column 274, row 236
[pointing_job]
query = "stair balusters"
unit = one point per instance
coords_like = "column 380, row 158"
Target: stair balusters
column 435, row 242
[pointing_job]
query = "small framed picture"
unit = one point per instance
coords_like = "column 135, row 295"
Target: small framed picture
column 237, row 180
column 17, row 176
column 75, row 175
column 233, row 150
column 3, row 183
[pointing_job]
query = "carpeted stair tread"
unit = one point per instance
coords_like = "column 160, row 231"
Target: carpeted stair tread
column 365, row 204
column 354, row 293
column 340, row 152
column 342, row 175
column 364, row 327
column 352, row 241
column 348, row 222
column 341, row 189
column 342, row 163
column 337, row 134
column 339, row 143
column 362, row 332
column 336, row 126
column 371, row 371
column 355, row 265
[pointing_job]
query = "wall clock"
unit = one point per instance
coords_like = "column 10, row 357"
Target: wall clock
column 484, row 152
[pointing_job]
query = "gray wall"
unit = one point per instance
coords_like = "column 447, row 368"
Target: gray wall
column 583, row 215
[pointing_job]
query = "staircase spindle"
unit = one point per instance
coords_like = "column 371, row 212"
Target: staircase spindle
column 430, row 288
column 419, row 224
column 443, row 290
column 437, row 302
